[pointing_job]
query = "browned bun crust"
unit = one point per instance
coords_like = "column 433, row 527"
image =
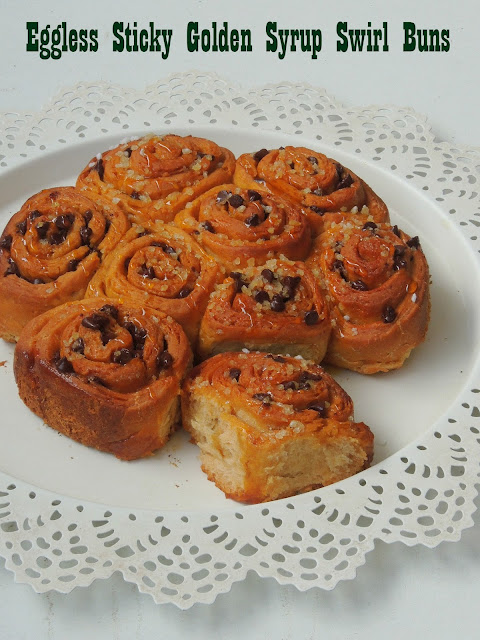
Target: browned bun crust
column 377, row 284
column 163, row 268
column 50, row 249
column 269, row 427
column 105, row 374
column 277, row 307
column 326, row 190
column 241, row 227
column 154, row 177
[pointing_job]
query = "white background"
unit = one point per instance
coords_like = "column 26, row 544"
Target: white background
column 400, row 592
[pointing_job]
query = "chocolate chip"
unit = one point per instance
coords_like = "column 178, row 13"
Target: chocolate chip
column 72, row 265
column 6, row 242
column 396, row 231
column 146, row 272
column 389, row 314
column 85, row 233
column 78, row 346
column 234, row 374
column 267, row 275
column 239, row 281
column 265, row 398
column 304, row 386
column 99, row 168
column 289, row 384
column 260, row 154
column 139, row 335
column 208, row 226
column 107, row 336
column 305, row 376
column 340, row 268
column 42, row 229
column 318, row 210
column 96, row 322
column 276, row 358
column 128, row 152
column 346, row 181
column 318, row 192
column 339, row 169
column 164, row 360
column 399, row 262
column 223, row 196
column 122, row 356
column 58, row 237
column 253, row 195
column 22, row 227
column 277, row 303
column 54, row 195
column 236, row 201
column 64, row 222
column 291, row 165
column 311, row 317
column 12, row 269
column 166, row 248
column 63, row 365
column 184, row 292
column 135, row 195
column 359, row 285
column 312, row 159
column 252, row 221
column 38, row 281
column 87, row 216
column 290, row 283
column 413, row 243
column 261, row 296
column 369, row 226
column 320, row 408
column 34, row 214
column 110, row 310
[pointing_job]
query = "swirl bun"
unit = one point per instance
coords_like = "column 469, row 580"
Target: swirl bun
column 50, row 249
column 164, row 269
column 105, row 374
column 272, row 426
column 241, row 227
column 277, row 307
column 377, row 283
column 154, row 177
column 325, row 189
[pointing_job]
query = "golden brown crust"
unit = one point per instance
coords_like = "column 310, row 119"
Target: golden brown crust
column 272, row 426
column 241, row 227
column 50, row 249
column 277, row 307
column 377, row 284
column 326, row 190
column 154, row 177
column 105, row 374
column 163, row 268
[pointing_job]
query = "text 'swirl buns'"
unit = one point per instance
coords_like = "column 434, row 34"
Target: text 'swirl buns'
column 325, row 189
column 377, row 286
column 241, row 227
column 277, row 307
column 269, row 426
column 49, row 251
column 154, row 177
column 164, row 269
column 105, row 374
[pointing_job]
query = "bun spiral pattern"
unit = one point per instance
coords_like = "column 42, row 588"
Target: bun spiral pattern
column 277, row 307
column 270, row 426
column 377, row 285
column 49, row 251
column 105, row 374
column 325, row 189
column 164, row 269
column 154, row 177
column 241, row 227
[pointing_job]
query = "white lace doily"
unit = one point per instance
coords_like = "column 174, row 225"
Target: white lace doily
column 423, row 494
